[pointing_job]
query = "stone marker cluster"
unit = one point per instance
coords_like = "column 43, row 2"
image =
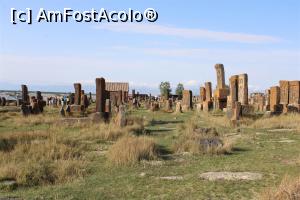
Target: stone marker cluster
column 113, row 98
column 33, row 104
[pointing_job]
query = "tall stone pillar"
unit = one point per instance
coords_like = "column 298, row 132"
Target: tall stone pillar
column 202, row 94
column 233, row 88
column 187, row 98
column 77, row 87
column 284, row 92
column 208, row 91
column 220, row 76
column 294, row 92
column 274, row 98
column 243, row 89
column 100, row 95
column 25, row 97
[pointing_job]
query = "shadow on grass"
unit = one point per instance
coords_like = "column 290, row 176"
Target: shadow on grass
column 160, row 122
column 164, row 153
column 237, row 150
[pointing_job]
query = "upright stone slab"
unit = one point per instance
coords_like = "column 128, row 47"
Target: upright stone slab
column 234, row 88
column 267, row 100
column 77, row 98
column 100, row 95
column 178, row 108
column 294, row 92
column 202, row 94
column 208, row 91
column 220, row 76
column 284, row 92
column 133, row 94
column 274, row 99
column 41, row 103
column 243, row 89
column 25, row 96
column 187, row 98
column 119, row 98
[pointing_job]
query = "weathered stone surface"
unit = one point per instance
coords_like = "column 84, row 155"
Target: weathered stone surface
column 187, row 103
column 202, row 94
column 294, row 92
column 178, row 108
column 25, row 97
column 284, row 92
column 274, row 99
column 100, row 95
column 236, row 112
column 208, row 90
column 76, row 108
column 121, row 116
column 25, row 109
column 207, row 106
column 77, row 98
column 220, row 76
column 3, row 101
column 168, row 105
column 234, row 88
column 84, row 101
column 107, row 105
column 119, row 98
column 243, row 89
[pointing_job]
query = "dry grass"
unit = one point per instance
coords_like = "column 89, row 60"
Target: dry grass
column 291, row 121
column 289, row 189
column 41, row 162
column 130, row 150
column 200, row 140
column 109, row 131
column 215, row 120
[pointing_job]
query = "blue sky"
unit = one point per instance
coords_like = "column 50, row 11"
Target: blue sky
column 261, row 38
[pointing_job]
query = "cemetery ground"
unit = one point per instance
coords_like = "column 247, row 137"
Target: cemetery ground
column 48, row 157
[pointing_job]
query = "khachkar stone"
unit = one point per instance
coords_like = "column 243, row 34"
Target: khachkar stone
column 41, row 103
column 168, row 105
column 274, row 99
column 187, row 102
column 243, row 89
column 267, row 100
column 77, row 98
column 208, row 91
column 220, row 76
column 202, row 94
column 119, row 98
column 284, row 92
column 100, row 95
column 178, row 108
column 294, row 92
column 25, row 97
column 234, row 88
column 84, row 101
column 133, row 94
column 2, row 101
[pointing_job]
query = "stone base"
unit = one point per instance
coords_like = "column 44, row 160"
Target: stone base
column 291, row 108
column 276, row 108
column 207, row 106
column 76, row 108
column 246, row 109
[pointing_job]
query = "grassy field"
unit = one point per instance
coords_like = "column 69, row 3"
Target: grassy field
column 50, row 159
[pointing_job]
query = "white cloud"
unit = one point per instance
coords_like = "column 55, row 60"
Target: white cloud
column 191, row 83
column 154, row 29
